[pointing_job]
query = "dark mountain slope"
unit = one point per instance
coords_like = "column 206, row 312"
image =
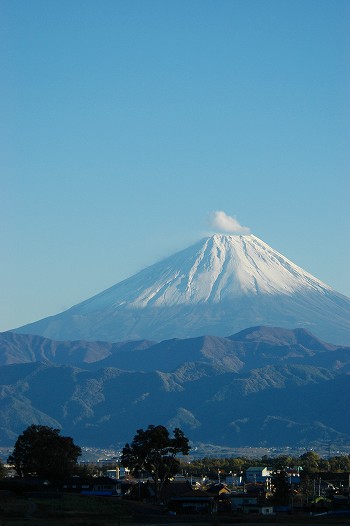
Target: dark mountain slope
column 171, row 354
column 277, row 336
column 317, row 412
column 24, row 348
column 107, row 406
column 263, row 386
column 251, row 348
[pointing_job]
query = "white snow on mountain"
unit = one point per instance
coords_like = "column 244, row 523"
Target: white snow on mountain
column 217, row 268
column 222, row 284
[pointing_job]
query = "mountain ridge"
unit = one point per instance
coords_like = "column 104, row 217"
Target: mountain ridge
column 270, row 389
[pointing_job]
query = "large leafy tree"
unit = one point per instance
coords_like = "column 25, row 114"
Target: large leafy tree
column 3, row 470
column 154, row 450
column 310, row 461
column 339, row 463
column 42, row 452
column 281, row 488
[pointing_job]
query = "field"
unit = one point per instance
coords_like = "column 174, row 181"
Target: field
column 70, row 510
column 75, row 510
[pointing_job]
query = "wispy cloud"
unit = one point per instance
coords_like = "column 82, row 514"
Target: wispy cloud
column 224, row 223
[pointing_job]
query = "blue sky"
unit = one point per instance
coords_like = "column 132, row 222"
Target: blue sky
column 125, row 124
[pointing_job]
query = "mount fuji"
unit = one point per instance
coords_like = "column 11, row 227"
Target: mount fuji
column 218, row 286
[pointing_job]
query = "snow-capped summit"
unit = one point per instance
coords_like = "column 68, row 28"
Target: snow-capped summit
column 218, row 268
column 222, row 284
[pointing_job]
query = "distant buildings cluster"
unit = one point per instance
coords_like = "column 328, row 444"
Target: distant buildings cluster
column 258, row 489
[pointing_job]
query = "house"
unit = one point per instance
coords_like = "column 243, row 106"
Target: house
column 76, row 484
column 293, row 475
column 241, row 500
column 100, row 486
column 234, row 480
column 194, row 501
column 218, row 490
column 105, row 486
column 26, row 485
column 222, row 494
column 250, row 503
column 257, row 474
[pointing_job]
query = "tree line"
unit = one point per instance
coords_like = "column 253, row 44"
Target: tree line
column 309, row 462
column 42, row 452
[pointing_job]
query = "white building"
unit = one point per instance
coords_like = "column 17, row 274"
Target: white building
column 257, row 474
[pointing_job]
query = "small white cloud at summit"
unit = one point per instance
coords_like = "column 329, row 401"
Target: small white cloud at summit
column 225, row 223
